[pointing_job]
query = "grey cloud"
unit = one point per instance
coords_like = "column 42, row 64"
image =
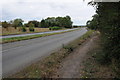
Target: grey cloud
column 38, row 9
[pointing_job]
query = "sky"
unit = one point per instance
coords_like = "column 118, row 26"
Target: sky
column 79, row 11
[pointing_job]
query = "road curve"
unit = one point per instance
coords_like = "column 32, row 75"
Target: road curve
column 17, row 55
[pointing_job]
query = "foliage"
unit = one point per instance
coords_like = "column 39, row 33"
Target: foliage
column 69, row 48
column 93, row 24
column 75, row 26
column 0, row 23
column 26, row 25
column 63, row 22
column 31, row 27
column 68, row 22
column 57, row 21
column 109, row 26
column 17, row 23
column 5, row 24
column 43, row 24
column 36, row 23
column 54, row 28
column 23, row 28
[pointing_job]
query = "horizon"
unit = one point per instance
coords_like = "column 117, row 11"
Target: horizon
column 79, row 10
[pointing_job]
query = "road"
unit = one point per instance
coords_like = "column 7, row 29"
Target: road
column 28, row 34
column 17, row 55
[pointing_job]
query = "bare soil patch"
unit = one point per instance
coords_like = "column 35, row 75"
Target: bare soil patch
column 70, row 66
column 81, row 63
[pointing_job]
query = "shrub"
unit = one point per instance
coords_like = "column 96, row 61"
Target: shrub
column 31, row 27
column 102, row 57
column 23, row 29
column 69, row 48
column 54, row 28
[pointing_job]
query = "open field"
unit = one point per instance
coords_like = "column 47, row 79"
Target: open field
column 11, row 30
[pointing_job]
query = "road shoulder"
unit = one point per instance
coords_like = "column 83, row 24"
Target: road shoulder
column 70, row 66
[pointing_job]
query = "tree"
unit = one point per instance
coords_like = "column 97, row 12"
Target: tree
column 23, row 28
column 68, row 22
column 5, row 24
column 17, row 23
column 36, row 23
column 64, row 22
column 109, row 27
column 93, row 24
column 31, row 27
column 50, row 22
column 0, row 23
column 57, row 21
column 26, row 25
column 42, row 24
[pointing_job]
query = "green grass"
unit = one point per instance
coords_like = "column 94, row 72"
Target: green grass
column 48, row 66
column 13, row 39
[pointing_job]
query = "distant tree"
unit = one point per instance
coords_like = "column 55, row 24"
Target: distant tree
column 31, row 27
column 23, row 29
column 17, row 23
column 68, row 22
column 54, row 28
column 5, row 24
column 26, row 25
column 93, row 24
column 36, row 23
column 60, row 21
column 57, row 21
column 42, row 24
column 51, row 21
column 64, row 22
column 0, row 23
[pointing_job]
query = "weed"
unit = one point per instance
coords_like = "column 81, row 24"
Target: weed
column 69, row 48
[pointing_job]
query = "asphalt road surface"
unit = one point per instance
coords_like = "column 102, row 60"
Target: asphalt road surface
column 17, row 55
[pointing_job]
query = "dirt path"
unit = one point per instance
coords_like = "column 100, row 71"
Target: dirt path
column 71, row 65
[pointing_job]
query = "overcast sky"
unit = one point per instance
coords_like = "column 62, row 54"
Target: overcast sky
column 27, row 10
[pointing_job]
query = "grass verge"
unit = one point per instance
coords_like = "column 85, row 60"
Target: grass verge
column 13, row 39
column 48, row 66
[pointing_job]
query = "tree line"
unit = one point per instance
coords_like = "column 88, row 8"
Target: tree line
column 107, row 22
column 62, row 22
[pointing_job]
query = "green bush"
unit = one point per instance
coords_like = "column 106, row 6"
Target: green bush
column 69, row 48
column 107, row 22
column 23, row 29
column 102, row 58
column 31, row 27
column 54, row 28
